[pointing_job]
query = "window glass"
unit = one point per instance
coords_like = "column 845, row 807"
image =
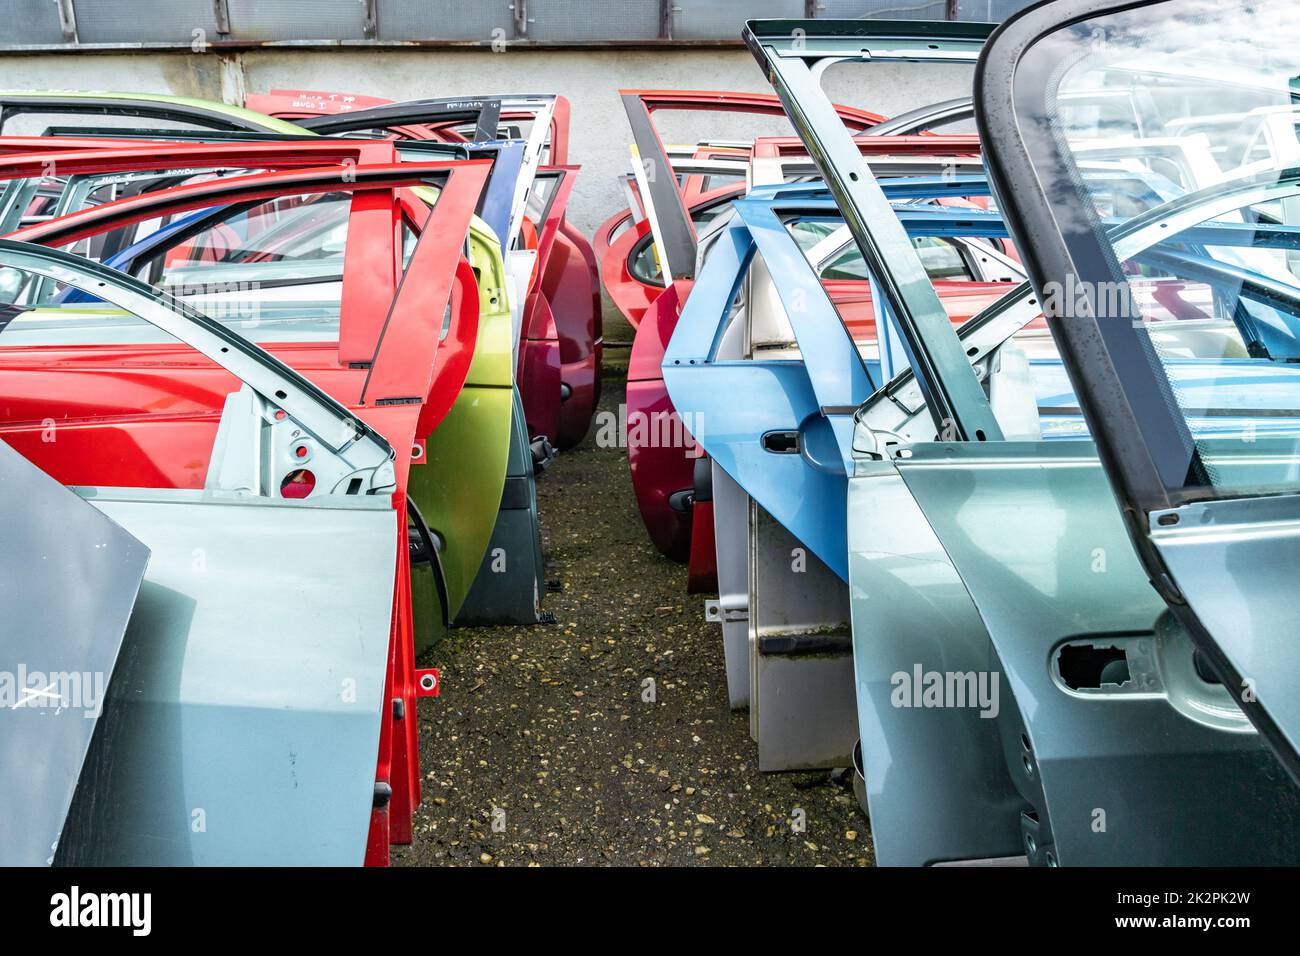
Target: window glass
column 272, row 270
column 1179, row 123
column 831, row 250
column 69, row 317
column 643, row 262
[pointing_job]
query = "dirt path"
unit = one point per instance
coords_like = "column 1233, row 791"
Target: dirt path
column 543, row 730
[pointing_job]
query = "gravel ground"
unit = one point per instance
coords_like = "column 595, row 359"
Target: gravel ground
column 540, row 749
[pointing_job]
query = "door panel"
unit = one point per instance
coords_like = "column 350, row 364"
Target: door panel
column 245, row 718
column 1212, row 514
column 243, row 721
column 69, row 578
column 1041, row 549
column 937, row 784
column 795, row 64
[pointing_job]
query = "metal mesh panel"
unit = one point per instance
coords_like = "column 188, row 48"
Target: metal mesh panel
column 592, row 20
column 985, row 11
column 124, row 21
column 989, row 11
column 137, row 21
column 882, row 9
column 444, row 20
column 711, row 20
column 29, row 21
column 318, row 20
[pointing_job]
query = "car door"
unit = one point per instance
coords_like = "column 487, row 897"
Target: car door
column 660, row 254
column 983, row 556
column 59, row 654
column 31, row 112
column 214, row 661
column 1211, row 513
column 903, row 283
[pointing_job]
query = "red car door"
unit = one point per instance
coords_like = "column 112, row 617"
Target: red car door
column 568, row 297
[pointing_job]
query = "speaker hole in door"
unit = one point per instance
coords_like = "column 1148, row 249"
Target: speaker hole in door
column 1091, row 666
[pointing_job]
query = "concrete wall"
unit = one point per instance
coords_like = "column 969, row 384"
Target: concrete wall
column 589, row 78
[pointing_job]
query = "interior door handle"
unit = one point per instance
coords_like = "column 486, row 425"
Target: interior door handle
column 781, row 442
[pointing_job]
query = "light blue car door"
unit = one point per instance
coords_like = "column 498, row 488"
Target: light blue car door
column 242, row 721
column 789, row 445
column 1214, row 518
column 69, row 577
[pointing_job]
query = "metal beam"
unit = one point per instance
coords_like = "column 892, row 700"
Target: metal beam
column 954, row 396
column 221, row 15
column 68, row 20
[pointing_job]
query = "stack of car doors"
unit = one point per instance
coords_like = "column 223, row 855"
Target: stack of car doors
column 663, row 474
column 510, row 581
column 554, row 298
column 789, row 633
column 501, row 583
column 559, row 305
column 799, row 329
column 648, row 254
column 259, row 453
column 1058, row 655
column 783, row 602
